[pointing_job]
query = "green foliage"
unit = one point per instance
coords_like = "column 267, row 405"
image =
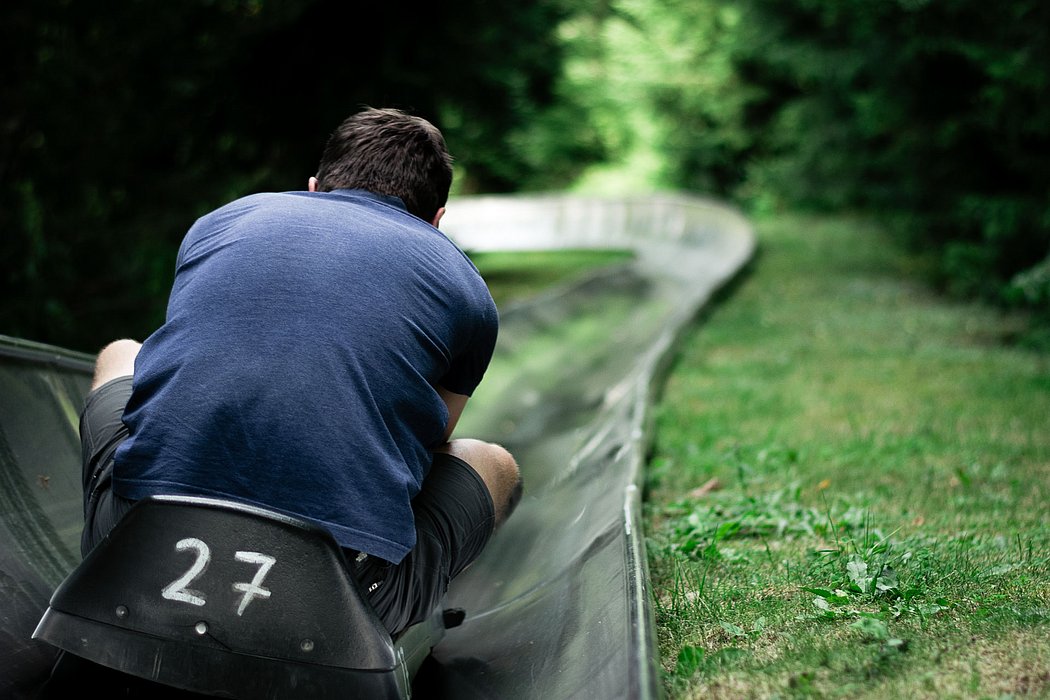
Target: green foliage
column 122, row 126
column 664, row 100
column 934, row 110
column 1033, row 285
column 933, row 114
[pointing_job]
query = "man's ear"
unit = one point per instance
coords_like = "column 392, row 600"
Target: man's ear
column 311, row 184
column 437, row 217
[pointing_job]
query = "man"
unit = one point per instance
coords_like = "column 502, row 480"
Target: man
column 317, row 352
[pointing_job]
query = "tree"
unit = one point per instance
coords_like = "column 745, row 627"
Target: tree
column 934, row 111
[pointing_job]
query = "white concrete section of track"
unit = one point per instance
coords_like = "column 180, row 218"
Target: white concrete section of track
column 559, row 605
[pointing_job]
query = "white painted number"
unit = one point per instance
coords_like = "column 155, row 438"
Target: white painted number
column 253, row 589
column 176, row 590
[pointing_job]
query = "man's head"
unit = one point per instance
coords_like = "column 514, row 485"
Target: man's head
column 389, row 152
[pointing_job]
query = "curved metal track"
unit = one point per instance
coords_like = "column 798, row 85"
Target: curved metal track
column 559, row 604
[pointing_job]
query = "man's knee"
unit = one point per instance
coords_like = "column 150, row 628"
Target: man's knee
column 498, row 469
column 115, row 360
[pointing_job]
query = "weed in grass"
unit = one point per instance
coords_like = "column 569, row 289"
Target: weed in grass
column 866, row 588
column 684, row 597
column 694, row 659
column 699, row 530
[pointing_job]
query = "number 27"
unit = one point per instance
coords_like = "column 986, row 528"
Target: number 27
column 179, row 590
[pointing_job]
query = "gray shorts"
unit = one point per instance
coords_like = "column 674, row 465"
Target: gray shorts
column 454, row 517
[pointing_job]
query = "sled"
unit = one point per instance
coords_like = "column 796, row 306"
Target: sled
column 192, row 596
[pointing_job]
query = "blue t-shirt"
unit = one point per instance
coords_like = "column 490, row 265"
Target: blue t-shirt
column 296, row 368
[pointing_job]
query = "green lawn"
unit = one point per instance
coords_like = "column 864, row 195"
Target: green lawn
column 513, row 276
column 848, row 494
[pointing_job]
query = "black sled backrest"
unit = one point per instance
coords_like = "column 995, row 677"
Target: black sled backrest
column 227, row 600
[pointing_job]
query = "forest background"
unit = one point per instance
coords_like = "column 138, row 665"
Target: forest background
column 121, row 123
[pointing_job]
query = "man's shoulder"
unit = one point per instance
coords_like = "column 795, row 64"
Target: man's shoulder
column 252, row 202
column 269, row 199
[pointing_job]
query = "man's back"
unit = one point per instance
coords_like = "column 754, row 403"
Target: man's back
column 296, row 369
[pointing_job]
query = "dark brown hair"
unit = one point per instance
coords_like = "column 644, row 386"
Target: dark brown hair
column 389, row 152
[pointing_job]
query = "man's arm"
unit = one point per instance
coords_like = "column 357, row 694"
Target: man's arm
column 455, row 403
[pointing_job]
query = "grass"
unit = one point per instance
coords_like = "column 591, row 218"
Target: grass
column 518, row 275
column 848, row 486
column 848, row 490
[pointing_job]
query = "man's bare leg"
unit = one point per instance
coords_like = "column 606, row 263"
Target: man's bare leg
column 497, row 468
column 115, row 360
